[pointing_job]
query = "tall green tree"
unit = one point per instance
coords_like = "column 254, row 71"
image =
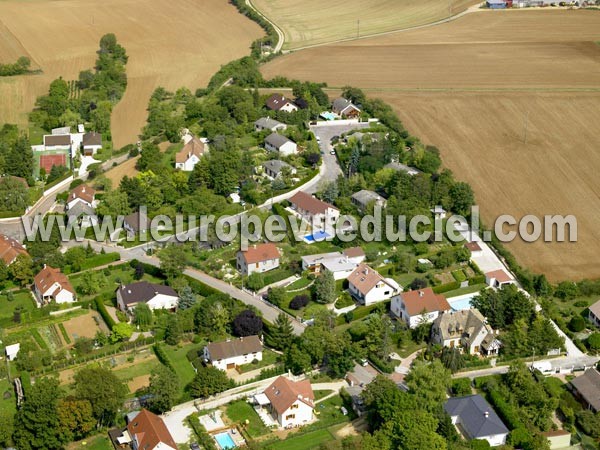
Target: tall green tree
column 76, row 419
column 281, row 334
column 37, row 424
column 103, row 389
column 429, row 383
column 324, row 288
column 208, row 381
column 172, row 261
column 164, row 388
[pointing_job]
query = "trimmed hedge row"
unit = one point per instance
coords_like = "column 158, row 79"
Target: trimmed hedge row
column 101, row 308
column 160, row 353
column 204, row 439
column 446, row 287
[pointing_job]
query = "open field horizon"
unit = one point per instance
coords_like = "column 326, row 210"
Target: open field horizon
column 466, row 87
column 173, row 46
column 313, row 22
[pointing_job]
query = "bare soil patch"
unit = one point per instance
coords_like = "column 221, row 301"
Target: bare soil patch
column 85, row 326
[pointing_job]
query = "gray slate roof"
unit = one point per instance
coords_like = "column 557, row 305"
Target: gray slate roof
column 276, row 140
column 588, row 386
column 81, row 208
column 233, row 348
column 276, row 166
column 364, row 197
column 471, row 411
column 457, row 324
column 402, row 168
column 136, row 220
column 92, row 138
column 143, row 291
column 267, row 122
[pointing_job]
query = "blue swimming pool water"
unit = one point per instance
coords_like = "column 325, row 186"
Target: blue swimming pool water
column 462, row 301
column 328, row 116
column 317, row 236
column 224, row 440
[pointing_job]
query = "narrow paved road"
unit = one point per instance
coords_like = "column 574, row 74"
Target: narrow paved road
column 279, row 31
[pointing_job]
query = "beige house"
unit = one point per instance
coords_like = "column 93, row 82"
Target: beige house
column 291, row 402
column 258, row 259
column 313, row 210
column 466, row 329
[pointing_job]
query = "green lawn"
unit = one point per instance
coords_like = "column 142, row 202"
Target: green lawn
column 304, row 442
column 99, row 442
column 269, row 357
column 465, row 290
column 319, row 394
column 183, row 368
column 300, row 283
column 9, row 405
column 22, row 300
column 240, row 412
column 137, row 370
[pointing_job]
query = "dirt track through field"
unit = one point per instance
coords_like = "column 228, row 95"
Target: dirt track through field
column 467, row 87
column 169, row 44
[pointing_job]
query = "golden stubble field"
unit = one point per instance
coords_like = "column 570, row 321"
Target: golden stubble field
column 170, row 44
column 313, row 22
column 467, row 86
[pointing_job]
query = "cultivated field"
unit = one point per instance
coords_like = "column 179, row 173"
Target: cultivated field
column 467, row 86
column 85, row 326
column 170, row 45
column 312, row 22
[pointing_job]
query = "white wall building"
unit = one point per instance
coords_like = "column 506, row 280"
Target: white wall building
column 291, row 402
column 258, row 259
column 368, row 287
column 52, row 285
column 420, row 306
column 156, row 296
column 232, row 353
column 313, row 210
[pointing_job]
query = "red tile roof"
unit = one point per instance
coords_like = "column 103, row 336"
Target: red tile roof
column 83, row 192
column 260, row 253
column 150, row 431
column 48, row 276
column 500, row 275
column 473, row 246
column 424, row 299
column 307, row 202
column 10, row 248
column 282, row 393
column 364, row 278
column 354, row 252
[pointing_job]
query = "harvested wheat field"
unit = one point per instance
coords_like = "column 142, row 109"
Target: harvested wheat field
column 487, row 49
column 467, row 86
column 169, row 44
column 313, row 22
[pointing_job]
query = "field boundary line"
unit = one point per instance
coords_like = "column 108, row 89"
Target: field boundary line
column 472, row 9
column 278, row 29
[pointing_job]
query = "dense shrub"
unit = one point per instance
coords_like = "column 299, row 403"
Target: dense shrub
column 299, row 301
column 577, row 324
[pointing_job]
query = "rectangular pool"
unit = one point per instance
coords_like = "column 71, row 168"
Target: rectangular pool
column 462, row 301
column 224, row 440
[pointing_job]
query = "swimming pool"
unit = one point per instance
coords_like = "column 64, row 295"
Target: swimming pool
column 462, row 301
column 224, row 440
column 316, row 236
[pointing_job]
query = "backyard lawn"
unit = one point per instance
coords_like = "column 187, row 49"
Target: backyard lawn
column 99, row 442
column 305, row 441
column 7, row 405
column 183, row 367
column 21, row 300
column 241, row 411
column 269, row 357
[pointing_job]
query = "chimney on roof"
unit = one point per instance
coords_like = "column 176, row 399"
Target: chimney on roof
column 486, row 414
column 421, row 293
column 366, row 271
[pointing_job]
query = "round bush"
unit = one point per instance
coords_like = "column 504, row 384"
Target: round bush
column 299, row 301
column 577, row 324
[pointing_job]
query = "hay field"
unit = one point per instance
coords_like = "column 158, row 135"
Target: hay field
column 487, row 49
column 313, row 22
column 169, row 44
column 466, row 87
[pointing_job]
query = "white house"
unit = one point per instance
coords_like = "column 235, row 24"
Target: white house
column 156, row 296
column 594, row 313
column 91, row 143
column 466, row 329
column 52, row 285
column 82, row 194
column 475, row 418
column 276, row 142
column 438, row 212
column 232, row 353
column 266, row 123
column 313, row 210
column 498, row 278
column 291, row 402
column 278, row 102
column 190, row 154
column 368, row 287
column 258, row 259
column 340, row 264
column 57, row 142
column 275, row 167
column 420, row 306
column 12, row 351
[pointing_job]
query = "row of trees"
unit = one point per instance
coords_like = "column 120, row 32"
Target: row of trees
column 92, row 97
column 20, row 67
